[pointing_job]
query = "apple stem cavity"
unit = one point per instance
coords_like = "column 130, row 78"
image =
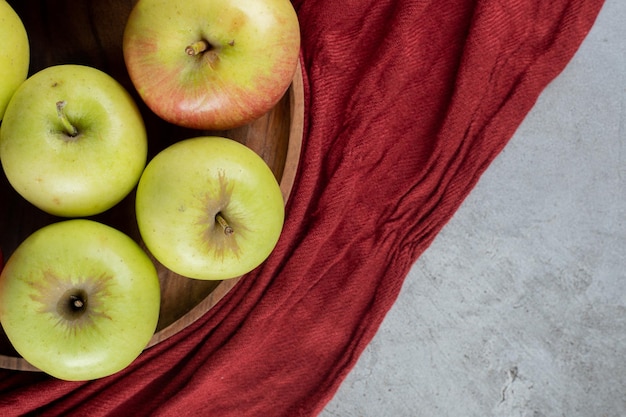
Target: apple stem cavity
column 73, row 304
column 228, row 230
column 197, row 47
column 70, row 129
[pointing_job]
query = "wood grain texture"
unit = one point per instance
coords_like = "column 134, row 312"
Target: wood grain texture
column 90, row 33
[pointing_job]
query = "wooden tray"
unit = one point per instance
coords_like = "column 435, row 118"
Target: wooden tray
column 90, row 33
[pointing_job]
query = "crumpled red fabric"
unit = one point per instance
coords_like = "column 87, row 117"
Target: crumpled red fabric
column 407, row 103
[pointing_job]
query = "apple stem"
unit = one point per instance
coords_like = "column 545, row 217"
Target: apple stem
column 222, row 221
column 77, row 303
column 70, row 129
column 197, row 47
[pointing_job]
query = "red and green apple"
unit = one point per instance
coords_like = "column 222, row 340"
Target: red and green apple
column 211, row 64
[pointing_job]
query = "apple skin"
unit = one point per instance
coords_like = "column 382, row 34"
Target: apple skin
column 254, row 51
column 73, row 176
column 115, row 277
column 186, row 186
column 14, row 54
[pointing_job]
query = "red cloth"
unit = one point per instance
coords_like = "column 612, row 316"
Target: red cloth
column 407, row 103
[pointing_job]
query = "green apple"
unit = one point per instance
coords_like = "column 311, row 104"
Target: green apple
column 79, row 300
column 14, row 54
column 209, row 208
column 211, row 64
column 73, row 141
